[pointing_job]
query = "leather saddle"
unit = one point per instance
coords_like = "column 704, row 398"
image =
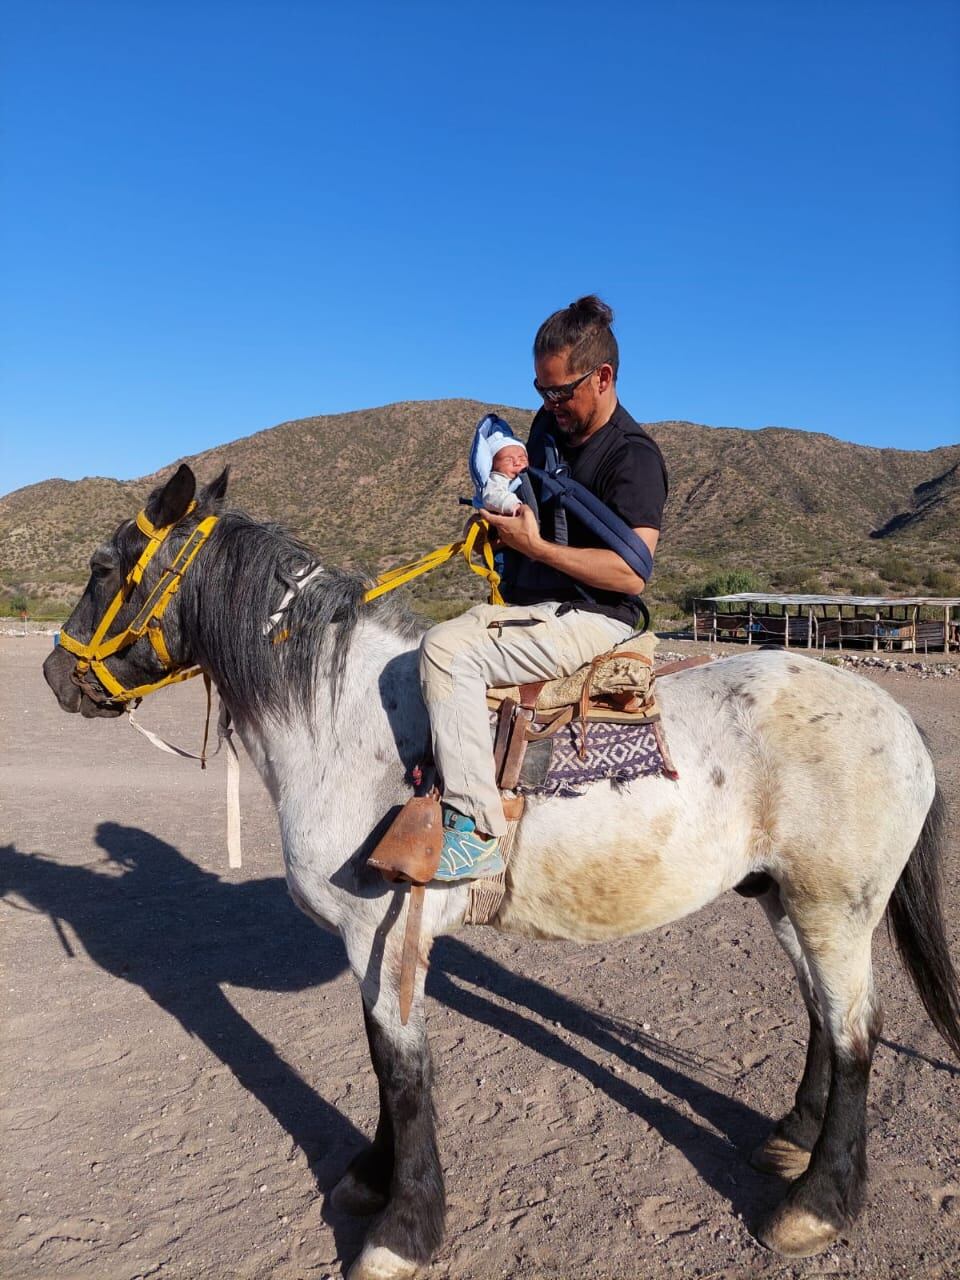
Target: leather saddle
column 616, row 687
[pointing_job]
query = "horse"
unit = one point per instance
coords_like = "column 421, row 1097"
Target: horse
column 802, row 785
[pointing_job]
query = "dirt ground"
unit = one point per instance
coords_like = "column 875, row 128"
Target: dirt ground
column 185, row 1073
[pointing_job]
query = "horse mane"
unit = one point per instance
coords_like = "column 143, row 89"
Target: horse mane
column 234, row 587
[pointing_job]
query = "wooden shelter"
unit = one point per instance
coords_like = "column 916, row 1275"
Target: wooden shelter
column 916, row 623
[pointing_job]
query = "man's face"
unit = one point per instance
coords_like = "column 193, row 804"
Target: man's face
column 510, row 460
column 577, row 416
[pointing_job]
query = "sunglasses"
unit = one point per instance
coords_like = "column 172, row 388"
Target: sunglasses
column 564, row 391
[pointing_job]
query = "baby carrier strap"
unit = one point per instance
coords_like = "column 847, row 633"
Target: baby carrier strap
column 558, row 486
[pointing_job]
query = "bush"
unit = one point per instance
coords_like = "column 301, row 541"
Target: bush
column 898, row 569
column 940, row 582
column 727, row 582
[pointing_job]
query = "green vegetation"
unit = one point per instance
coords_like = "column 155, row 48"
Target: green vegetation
column 899, row 570
column 941, row 583
column 727, row 582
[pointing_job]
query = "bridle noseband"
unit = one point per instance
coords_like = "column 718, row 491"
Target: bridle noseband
column 148, row 621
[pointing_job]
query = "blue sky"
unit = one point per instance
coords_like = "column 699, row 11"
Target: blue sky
column 220, row 215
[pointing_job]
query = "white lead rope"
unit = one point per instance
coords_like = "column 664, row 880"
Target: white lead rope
column 224, row 738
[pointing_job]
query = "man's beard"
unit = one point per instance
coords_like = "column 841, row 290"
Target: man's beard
column 572, row 432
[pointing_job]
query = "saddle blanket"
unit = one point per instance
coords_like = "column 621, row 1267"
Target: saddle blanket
column 617, row 753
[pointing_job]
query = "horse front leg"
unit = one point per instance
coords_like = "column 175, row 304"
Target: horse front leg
column 401, row 1170
column 365, row 1188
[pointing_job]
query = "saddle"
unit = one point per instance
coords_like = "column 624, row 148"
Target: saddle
column 615, row 688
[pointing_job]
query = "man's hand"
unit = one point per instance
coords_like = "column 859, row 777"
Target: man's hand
column 593, row 566
column 520, row 532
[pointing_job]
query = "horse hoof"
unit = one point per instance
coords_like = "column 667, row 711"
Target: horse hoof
column 379, row 1263
column 797, row 1233
column 352, row 1196
column 782, row 1157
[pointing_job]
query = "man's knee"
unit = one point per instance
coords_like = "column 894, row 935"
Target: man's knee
column 442, row 644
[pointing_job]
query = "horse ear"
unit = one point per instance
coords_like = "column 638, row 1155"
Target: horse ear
column 211, row 495
column 169, row 504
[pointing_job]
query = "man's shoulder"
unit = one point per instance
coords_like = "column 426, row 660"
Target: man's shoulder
column 628, row 439
column 626, row 427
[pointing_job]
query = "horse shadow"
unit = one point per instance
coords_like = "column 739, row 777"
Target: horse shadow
column 179, row 932
column 715, row 1145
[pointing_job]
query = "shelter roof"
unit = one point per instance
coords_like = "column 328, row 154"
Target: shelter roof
column 756, row 597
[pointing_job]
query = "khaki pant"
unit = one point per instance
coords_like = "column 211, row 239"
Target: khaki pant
column 461, row 658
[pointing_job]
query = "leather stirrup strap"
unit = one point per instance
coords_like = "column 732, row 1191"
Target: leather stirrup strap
column 411, row 950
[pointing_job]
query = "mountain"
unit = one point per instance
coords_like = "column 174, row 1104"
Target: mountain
column 380, row 486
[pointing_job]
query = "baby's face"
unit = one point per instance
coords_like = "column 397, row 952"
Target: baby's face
column 510, row 460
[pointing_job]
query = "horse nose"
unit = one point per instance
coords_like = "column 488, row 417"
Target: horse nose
column 57, row 669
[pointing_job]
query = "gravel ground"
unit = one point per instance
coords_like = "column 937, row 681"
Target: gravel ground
column 185, row 1073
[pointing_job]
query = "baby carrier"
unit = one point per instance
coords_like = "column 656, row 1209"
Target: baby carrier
column 551, row 489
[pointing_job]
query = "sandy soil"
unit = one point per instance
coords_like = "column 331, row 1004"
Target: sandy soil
column 185, row 1072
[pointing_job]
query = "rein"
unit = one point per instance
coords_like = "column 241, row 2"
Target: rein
column 477, row 539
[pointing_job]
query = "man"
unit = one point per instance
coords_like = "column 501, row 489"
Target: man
column 569, row 596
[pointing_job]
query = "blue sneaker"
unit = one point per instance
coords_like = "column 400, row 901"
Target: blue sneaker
column 465, row 854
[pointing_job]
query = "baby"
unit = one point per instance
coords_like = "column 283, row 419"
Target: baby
column 509, row 459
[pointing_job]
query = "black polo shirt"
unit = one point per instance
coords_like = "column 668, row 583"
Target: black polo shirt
column 622, row 465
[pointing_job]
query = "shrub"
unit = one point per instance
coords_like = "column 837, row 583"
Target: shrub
column 898, row 569
column 727, row 582
column 940, row 582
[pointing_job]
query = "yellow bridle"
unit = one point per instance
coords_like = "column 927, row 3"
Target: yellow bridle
column 148, row 621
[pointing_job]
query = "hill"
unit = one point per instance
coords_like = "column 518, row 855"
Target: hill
column 379, row 486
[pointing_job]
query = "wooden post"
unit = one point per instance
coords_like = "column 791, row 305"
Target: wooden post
column 946, row 628
column 750, row 622
column 786, row 627
column 695, row 603
column 810, row 627
column 876, row 630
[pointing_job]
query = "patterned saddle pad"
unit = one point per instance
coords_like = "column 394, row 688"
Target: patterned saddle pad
column 618, row 753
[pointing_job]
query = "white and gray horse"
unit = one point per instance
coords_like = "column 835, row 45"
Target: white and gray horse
column 806, row 786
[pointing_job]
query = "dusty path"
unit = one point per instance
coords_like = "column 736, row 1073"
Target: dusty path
column 185, row 1073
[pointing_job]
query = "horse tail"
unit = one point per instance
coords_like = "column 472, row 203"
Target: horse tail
column 915, row 918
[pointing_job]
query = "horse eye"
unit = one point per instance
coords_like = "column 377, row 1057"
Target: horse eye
column 103, row 561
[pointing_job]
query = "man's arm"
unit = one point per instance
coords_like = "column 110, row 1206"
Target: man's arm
column 593, row 566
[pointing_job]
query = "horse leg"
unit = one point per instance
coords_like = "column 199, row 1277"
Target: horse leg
column 786, row 1151
column 826, row 1198
column 401, row 1170
column 365, row 1187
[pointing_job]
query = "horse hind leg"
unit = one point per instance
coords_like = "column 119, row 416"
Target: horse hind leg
column 827, row 1197
column 786, row 1152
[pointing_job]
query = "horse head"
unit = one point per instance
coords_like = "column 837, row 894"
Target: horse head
column 121, row 640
